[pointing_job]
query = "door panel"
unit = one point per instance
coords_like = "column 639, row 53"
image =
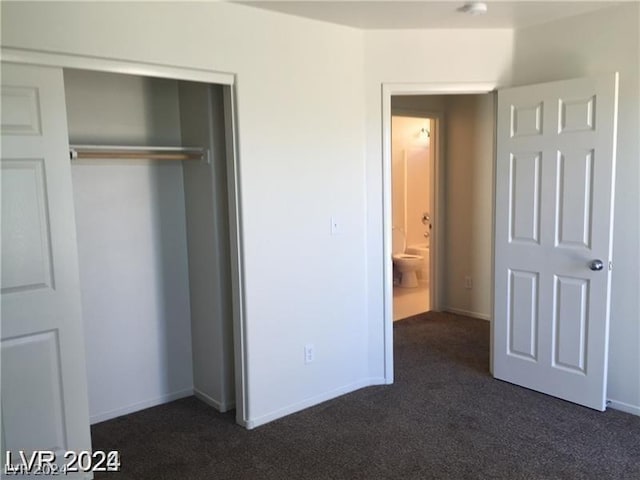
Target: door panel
column 524, row 201
column 20, row 111
column 44, row 390
column 26, row 251
column 31, row 372
column 554, row 201
column 573, row 205
column 576, row 115
column 526, row 120
column 523, row 314
column 570, row 323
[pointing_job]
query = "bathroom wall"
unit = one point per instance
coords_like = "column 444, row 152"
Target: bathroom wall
column 416, row 184
column 398, row 176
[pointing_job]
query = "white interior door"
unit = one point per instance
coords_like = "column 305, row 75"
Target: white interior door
column 44, row 390
column 554, row 212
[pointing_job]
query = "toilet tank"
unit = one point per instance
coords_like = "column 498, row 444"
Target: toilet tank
column 422, row 249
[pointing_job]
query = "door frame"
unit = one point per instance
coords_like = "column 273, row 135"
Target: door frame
column 437, row 243
column 230, row 93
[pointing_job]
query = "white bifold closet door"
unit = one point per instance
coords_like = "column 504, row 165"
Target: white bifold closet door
column 44, row 386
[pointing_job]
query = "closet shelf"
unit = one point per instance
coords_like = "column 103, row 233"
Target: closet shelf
column 79, row 152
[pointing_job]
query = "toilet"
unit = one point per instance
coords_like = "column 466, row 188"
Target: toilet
column 406, row 264
column 421, row 249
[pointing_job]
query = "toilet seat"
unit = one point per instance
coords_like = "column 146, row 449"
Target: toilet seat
column 406, row 263
column 407, row 256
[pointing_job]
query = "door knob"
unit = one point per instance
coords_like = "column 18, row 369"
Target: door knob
column 596, row 265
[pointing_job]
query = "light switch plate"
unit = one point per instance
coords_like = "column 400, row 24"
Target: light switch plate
column 336, row 227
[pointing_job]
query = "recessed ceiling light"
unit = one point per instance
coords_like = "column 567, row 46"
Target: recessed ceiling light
column 474, row 8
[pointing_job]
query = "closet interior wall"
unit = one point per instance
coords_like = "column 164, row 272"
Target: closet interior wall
column 152, row 242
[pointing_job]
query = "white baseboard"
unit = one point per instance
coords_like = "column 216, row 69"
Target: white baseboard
column 241, row 422
column 218, row 405
column 310, row 402
column 624, row 407
column 467, row 313
column 134, row 407
column 378, row 381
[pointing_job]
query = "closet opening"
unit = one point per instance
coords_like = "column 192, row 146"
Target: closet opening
column 156, row 221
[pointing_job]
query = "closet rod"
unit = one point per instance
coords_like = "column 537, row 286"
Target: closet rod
column 79, row 152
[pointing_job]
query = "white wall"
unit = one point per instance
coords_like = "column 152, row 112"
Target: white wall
column 469, row 204
column 603, row 42
column 418, row 179
column 301, row 145
column 124, row 109
column 421, row 103
column 409, row 56
column 206, row 194
column 130, row 220
column 135, row 297
column 398, row 174
column 301, row 105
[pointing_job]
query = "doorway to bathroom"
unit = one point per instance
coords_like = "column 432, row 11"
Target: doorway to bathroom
column 414, row 134
column 441, row 150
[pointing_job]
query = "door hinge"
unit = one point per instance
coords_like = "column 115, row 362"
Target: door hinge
column 610, row 266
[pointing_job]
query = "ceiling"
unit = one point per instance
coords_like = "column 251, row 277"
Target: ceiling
column 430, row 14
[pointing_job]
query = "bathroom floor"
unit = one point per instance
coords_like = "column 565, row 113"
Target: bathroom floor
column 410, row 301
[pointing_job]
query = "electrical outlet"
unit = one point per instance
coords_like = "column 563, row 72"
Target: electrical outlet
column 468, row 284
column 309, row 353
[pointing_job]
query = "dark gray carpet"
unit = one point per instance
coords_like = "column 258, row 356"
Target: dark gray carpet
column 444, row 418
